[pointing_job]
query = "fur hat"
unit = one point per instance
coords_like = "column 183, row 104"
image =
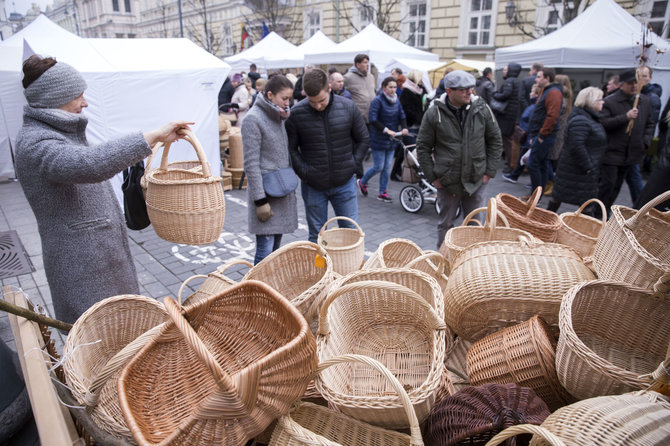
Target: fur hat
column 56, row 87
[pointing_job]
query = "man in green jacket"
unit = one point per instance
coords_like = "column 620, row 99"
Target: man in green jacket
column 459, row 147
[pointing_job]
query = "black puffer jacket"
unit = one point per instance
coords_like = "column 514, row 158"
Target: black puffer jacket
column 585, row 142
column 327, row 147
column 623, row 149
column 509, row 92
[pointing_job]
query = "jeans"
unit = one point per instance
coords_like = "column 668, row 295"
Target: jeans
column 537, row 166
column 634, row 181
column 383, row 159
column 449, row 204
column 342, row 198
column 265, row 244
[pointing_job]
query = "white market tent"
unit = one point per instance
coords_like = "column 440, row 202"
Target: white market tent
column 319, row 41
column 379, row 46
column 272, row 52
column 133, row 84
column 425, row 66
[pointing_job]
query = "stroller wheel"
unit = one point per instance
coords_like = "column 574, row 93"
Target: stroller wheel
column 411, row 199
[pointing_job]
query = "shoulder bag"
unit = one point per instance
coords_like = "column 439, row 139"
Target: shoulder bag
column 498, row 106
column 134, row 206
column 279, row 183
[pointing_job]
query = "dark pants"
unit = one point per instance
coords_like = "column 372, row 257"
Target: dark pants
column 658, row 182
column 266, row 244
column 609, row 186
column 634, row 181
column 537, row 166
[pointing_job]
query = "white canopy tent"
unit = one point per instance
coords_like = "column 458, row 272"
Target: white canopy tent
column 272, row 52
column 133, row 84
column 379, row 46
column 319, row 41
column 425, row 66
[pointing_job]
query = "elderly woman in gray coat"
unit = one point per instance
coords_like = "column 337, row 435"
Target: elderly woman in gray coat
column 265, row 146
column 83, row 231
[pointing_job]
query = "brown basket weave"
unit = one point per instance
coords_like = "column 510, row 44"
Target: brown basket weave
column 613, row 337
column 474, row 415
column 393, row 253
column 185, row 205
column 300, row 271
column 525, row 215
column 345, row 246
column 99, row 344
column 221, row 371
column 634, row 247
column 523, row 354
column 214, row 283
column 461, row 237
column 580, row 231
column 494, row 285
column 397, row 327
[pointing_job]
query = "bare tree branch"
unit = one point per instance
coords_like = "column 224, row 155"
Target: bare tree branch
column 200, row 26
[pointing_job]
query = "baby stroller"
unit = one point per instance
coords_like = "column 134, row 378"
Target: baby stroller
column 412, row 197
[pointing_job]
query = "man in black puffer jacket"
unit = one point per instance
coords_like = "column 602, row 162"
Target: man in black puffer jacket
column 328, row 139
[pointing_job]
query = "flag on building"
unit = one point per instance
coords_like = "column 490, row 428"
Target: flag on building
column 266, row 31
column 245, row 36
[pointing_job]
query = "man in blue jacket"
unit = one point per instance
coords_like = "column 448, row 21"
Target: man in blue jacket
column 328, row 139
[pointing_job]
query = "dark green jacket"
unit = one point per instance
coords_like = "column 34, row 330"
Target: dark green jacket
column 459, row 158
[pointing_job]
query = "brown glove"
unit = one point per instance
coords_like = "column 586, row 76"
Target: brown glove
column 264, row 212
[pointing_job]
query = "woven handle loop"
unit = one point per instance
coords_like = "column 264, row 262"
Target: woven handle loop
column 236, row 397
column 599, row 203
column 323, row 228
column 534, row 200
column 415, row 430
column 147, row 164
column 469, row 218
column 632, row 222
column 324, row 327
column 190, row 137
column 223, row 268
column 513, row 431
column 183, row 285
column 441, row 266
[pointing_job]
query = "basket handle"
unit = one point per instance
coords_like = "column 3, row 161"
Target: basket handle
column 220, row 269
column 534, row 200
column 442, row 266
column 471, row 215
column 147, row 164
column 190, row 137
column 323, row 228
column 239, row 395
column 599, row 203
column 513, row 431
column 632, row 222
column 183, row 285
column 324, row 327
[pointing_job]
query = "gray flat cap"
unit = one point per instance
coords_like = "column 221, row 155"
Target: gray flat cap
column 459, row 79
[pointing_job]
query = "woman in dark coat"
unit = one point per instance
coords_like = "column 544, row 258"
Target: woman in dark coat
column 412, row 101
column 508, row 93
column 585, row 142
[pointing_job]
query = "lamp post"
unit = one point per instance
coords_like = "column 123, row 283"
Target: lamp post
column 510, row 13
column 181, row 23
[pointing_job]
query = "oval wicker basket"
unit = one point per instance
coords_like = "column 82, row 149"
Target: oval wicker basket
column 523, row 354
column 580, row 231
column 214, row 283
column 613, row 337
column 346, row 246
column 525, row 215
column 634, row 247
column 397, row 327
column 99, row 344
column 494, row 285
column 221, row 371
column 393, row 253
column 185, row 205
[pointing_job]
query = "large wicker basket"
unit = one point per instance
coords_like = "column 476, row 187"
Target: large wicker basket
column 613, row 337
column 221, row 371
column 459, row 238
column 214, row 283
column 300, row 271
column 311, row 425
column 525, row 215
column 99, row 344
column 397, row 327
column 634, row 247
column 580, row 231
column 185, row 205
column 494, row 285
column 523, row 354
column 433, row 264
column 393, row 253
column 474, row 415
column 345, row 246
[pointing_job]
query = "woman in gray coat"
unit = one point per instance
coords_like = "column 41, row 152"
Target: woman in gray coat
column 265, row 146
column 81, row 225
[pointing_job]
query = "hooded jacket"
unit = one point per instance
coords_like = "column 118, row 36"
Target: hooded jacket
column 509, row 92
column 362, row 89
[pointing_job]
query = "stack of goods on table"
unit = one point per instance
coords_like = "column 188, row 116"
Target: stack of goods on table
column 506, row 332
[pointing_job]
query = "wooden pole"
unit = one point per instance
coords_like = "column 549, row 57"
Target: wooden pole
column 32, row 316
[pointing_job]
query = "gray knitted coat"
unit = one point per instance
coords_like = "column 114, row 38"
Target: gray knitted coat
column 265, row 146
column 84, row 241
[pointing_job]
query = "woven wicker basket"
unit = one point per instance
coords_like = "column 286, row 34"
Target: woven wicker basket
column 345, row 246
column 461, row 237
column 311, row 425
column 541, row 434
column 523, row 354
column 433, row 264
column 634, row 247
column 221, row 371
column 393, row 253
column 300, row 271
column 397, row 327
column 185, row 205
column 525, row 215
column 194, row 166
column 494, row 285
column 580, row 231
column 99, row 344
column 474, row 415
column 613, row 337
column 214, row 283
column 455, row 362
column 640, row 418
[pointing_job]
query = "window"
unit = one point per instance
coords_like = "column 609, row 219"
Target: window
column 127, row 5
column 658, row 18
column 365, row 14
column 311, row 23
column 227, row 44
column 552, row 14
column 479, row 30
column 115, row 5
column 416, row 16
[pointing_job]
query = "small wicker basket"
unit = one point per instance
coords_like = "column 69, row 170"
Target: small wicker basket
column 345, row 246
column 185, row 205
column 525, row 215
column 393, row 253
column 580, row 231
column 214, row 283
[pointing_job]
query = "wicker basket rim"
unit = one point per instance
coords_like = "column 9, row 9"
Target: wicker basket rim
column 632, row 239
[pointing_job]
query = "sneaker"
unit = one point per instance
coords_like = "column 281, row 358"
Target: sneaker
column 509, row 178
column 384, row 197
column 363, row 188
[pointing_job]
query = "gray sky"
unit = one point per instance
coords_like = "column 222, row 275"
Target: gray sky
column 21, row 6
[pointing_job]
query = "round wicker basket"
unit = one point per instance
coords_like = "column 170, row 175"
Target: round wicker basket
column 525, row 215
column 580, row 231
column 345, row 246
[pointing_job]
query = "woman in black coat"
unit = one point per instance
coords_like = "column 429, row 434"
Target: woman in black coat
column 585, row 142
column 509, row 93
column 412, row 101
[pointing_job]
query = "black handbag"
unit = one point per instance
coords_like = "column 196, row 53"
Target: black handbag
column 134, row 206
